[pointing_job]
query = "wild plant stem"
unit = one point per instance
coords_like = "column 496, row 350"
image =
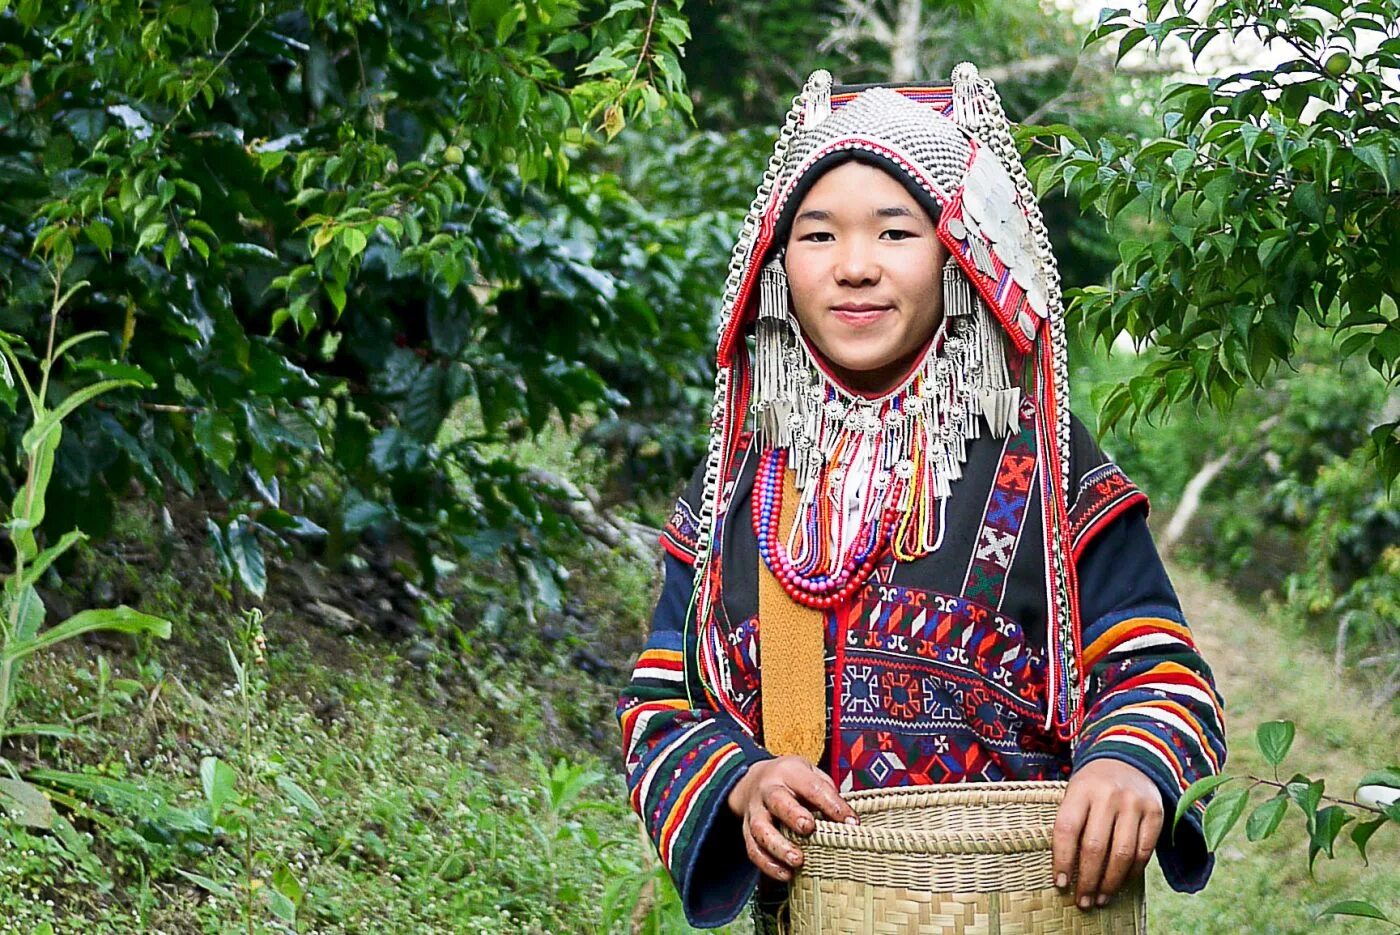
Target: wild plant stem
column 248, row 820
column 1326, row 798
column 12, row 626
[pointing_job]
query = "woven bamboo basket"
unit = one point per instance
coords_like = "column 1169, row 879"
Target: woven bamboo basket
column 969, row 859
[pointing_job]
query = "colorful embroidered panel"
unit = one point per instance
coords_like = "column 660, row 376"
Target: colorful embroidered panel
column 935, row 689
column 1003, row 516
column 938, row 97
column 681, row 531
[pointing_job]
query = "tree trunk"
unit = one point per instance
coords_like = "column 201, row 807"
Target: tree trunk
column 904, row 56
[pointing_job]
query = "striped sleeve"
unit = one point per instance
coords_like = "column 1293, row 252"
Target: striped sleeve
column 1150, row 699
column 682, row 758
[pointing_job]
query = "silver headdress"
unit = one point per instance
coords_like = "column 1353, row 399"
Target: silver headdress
column 952, row 147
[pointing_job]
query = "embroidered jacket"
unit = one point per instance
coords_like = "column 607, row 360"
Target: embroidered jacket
column 935, row 669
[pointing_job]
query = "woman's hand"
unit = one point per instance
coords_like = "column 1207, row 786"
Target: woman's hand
column 1109, row 822
column 788, row 789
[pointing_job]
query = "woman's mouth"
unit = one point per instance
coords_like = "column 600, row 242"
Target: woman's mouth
column 860, row 315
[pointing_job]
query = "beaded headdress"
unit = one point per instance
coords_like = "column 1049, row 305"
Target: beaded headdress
column 1002, row 333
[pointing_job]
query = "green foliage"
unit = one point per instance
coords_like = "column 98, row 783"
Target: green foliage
column 234, row 798
column 391, row 817
column 324, row 228
column 1376, row 803
column 1269, row 200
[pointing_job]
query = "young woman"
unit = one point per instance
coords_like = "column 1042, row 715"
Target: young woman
column 910, row 565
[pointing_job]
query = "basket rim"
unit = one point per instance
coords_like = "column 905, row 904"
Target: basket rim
column 988, row 795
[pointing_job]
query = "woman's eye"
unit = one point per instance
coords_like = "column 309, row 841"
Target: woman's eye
column 902, row 234
column 815, row 234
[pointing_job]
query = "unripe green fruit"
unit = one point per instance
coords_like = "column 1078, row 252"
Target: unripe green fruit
column 1337, row 64
column 453, row 155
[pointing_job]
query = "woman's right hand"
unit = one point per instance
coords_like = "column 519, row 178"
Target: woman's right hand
column 790, row 790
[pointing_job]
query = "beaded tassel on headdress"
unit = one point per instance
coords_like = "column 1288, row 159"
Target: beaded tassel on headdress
column 774, row 344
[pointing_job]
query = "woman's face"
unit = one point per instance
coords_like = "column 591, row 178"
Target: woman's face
column 865, row 270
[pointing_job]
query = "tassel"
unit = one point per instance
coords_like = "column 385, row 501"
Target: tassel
column 957, row 292
column 969, row 106
column 773, row 332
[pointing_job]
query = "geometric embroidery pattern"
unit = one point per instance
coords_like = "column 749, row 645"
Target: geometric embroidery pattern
column 1103, row 494
column 931, row 688
column 1004, row 515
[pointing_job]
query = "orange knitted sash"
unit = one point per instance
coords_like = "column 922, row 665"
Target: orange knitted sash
column 792, row 668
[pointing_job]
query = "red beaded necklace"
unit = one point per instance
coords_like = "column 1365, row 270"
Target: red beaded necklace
column 819, row 591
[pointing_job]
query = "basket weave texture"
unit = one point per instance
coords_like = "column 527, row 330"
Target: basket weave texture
column 970, row 859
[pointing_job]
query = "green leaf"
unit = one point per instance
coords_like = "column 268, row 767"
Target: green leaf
column 1197, row 791
column 354, row 241
column 1389, row 776
column 1325, row 828
column 26, row 803
column 1265, row 819
column 247, row 554
column 100, row 235
column 120, row 619
column 285, row 882
column 299, row 797
column 1130, row 40
column 68, row 344
column 205, row 883
column 57, row 731
column 1374, row 152
column 51, row 419
column 1361, row 835
column 116, row 369
column 1306, row 793
column 28, row 616
column 336, row 291
column 1309, row 202
column 219, row 782
column 41, row 562
column 1354, row 907
column 216, row 437
column 152, row 234
column 602, row 64
column 1222, row 814
column 279, row 905
column 1275, row 738
column 29, row 503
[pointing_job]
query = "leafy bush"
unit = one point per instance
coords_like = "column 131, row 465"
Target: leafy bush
column 1270, row 203
column 322, row 229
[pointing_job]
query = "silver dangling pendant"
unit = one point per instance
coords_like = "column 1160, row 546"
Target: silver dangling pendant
column 817, row 94
column 999, row 401
column 773, row 401
column 957, row 291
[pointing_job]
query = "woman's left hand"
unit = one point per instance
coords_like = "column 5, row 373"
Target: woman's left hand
column 1108, row 823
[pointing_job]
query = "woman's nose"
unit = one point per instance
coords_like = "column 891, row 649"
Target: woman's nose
column 856, row 266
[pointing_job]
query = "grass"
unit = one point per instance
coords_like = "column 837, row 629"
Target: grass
column 423, row 822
